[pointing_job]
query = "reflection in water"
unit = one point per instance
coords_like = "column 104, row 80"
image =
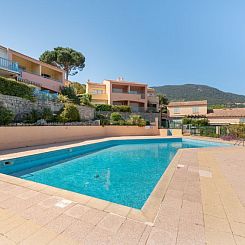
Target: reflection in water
column 107, row 177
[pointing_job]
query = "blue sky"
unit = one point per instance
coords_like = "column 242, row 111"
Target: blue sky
column 155, row 41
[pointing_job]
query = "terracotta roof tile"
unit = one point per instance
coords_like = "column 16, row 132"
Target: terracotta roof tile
column 188, row 103
column 228, row 112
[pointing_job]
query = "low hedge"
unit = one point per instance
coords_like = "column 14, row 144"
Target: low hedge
column 14, row 88
column 118, row 108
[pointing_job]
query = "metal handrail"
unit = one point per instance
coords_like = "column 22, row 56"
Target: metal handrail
column 9, row 64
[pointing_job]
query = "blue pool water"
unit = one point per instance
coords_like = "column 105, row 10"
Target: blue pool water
column 120, row 171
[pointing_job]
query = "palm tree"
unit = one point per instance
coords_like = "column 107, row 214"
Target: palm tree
column 163, row 101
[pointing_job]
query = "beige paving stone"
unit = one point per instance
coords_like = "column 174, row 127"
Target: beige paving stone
column 158, row 236
column 145, row 235
column 238, row 228
column 214, row 210
column 239, row 240
column 28, row 194
column 53, row 201
column 22, row 232
column 41, row 237
column 111, row 222
column 93, row 216
column 217, row 224
column 118, row 209
column 189, row 242
column 50, row 190
column 77, row 211
column 6, row 241
column 78, row 230
column 36, row 186
column 5, row 214
column 62, row 240
column 174, row 194
column 60, row 223
column 168, row 223
column 4, row 196
column 191, row 232
column 75, row 197
column 11, row 223
column 40, row 215
column 136, row 214
column 98, row 236
column 151, row 208
column 97, row 203
column 15, row 204
column 219, row 237
column 129, row 233
column 16, row 190
column 35, row 199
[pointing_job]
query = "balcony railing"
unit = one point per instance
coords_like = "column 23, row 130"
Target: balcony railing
column 9, row 65
column 137, row 109
column 142, row 96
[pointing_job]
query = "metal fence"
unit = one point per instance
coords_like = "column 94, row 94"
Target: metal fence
column 229, row 132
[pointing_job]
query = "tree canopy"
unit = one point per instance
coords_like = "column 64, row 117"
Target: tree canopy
column 67, row 59
column 78, row 87
column 163, row 100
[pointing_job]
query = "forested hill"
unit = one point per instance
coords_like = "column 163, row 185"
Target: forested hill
column 188, row 92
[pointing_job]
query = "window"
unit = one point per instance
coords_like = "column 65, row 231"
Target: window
column 97, row 91
column 195, row 110
column 242, row 120
column 46, row 75
column 176, row 110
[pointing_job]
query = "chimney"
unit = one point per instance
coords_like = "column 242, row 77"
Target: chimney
column 120, row 79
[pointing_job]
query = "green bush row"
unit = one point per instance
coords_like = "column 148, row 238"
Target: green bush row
column 195, row 122
column 118, row 108
column 14, row 88
column 117, row 119
column 69, row 113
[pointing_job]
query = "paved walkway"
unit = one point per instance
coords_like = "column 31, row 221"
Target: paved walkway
column 203, row 204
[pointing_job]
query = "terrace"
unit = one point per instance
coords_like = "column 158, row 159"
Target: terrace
column 199, row 199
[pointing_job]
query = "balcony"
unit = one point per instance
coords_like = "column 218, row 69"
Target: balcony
column 9, row 66
column 45, row 83
column 128, row 96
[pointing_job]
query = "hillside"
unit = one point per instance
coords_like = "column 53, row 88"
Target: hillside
column 199, row 92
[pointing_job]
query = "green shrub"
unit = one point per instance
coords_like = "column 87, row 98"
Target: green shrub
column 121, row 108
column 6, row 116
column 115, row 117
column 85, row 99
column 103, row 107
column 14, row 88
column 69, row 113
column 33, row 116
column 63, row 98
column 237, row 130
column 47, row 115
column 71, row 94
column 117, row 108
column 136, row 120
column 195, row 122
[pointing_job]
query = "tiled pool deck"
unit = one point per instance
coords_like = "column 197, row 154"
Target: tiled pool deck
column 199, row 200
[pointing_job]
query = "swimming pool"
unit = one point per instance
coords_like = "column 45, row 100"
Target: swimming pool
column 119, row 171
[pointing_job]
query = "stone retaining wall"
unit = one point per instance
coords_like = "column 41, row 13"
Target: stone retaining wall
column 20, row 106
